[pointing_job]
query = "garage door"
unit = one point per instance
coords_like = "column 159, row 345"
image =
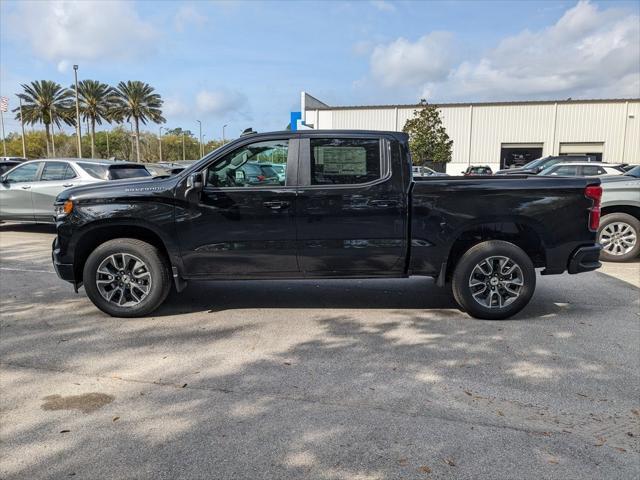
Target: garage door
column 513, row 155
column 588, row 149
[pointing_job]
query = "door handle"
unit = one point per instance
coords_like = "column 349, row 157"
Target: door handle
column 384, row 203
column 275, row 205
column 26, row 187
column 67, row 185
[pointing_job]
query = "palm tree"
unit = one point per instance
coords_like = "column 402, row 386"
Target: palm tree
column 137, row 100
column 48, row 103
column 96, row 103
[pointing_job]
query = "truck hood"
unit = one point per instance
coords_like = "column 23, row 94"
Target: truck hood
column 113, row 189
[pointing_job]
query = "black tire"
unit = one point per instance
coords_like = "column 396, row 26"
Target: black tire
column 156, row 270
column 513, row 302
column 611, row 223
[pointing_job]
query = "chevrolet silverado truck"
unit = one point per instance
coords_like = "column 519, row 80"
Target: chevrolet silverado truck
column 349, row 208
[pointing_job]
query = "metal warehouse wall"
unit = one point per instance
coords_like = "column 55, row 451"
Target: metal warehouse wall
column 479, row 130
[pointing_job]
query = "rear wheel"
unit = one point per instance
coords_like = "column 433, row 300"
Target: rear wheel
column 618, row 235
column 126, row 277
column 494, row 280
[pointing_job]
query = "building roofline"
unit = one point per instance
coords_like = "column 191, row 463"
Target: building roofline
column 480, row 104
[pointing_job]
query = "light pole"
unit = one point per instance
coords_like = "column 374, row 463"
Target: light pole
column 202, row 153
column 183, row 152
column 223, row 127
column 200, row 136
column 78, row 132
column 160, row 141
column 24, row 145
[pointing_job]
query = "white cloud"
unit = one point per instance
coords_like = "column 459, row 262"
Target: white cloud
column 66, row 32
column 221, row 101
column 174, row 107
column 588, row 52
column 188, row 15
column 402, row 62
column 383, row 5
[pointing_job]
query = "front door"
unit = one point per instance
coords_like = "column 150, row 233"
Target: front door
column 15, row 192
column 242, row 222
column 351, row 212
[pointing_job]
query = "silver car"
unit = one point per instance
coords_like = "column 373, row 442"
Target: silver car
column 619, row 232
column 27, row 191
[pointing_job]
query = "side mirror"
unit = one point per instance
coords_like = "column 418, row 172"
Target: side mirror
column 3, row 179
column 194, row 182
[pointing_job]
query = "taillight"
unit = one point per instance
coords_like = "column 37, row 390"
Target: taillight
column 594, row 192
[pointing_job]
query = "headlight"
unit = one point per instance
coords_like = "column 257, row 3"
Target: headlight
column 64, row 209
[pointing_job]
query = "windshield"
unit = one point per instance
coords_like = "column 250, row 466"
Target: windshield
column 535, row 163
column 634, row 172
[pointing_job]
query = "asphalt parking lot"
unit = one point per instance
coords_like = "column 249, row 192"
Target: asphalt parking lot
column 320, row 380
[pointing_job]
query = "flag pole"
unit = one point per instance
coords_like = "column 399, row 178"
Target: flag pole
column 4, row 143
column 24, row 145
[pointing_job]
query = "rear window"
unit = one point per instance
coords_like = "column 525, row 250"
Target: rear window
column 117, row 172
column 96, row 170
column 344, row 161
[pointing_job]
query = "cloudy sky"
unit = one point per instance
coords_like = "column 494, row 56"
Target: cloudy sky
column 244, row 64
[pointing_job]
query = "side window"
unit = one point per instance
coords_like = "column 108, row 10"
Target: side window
column 259, row 164
column 57, row 171
column 568, row 170
column 24, row 173
column 591, row 170
column 344, row 161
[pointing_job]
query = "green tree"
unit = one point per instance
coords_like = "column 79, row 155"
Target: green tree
column 48, row 103
column 137, row 100
column 428, row 139
column 96, row 101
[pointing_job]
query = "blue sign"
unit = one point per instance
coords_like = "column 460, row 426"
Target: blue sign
column 295, row 116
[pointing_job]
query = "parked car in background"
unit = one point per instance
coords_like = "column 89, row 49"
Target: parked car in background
column 7, row 163
column 28, row 191
column 477, row 170
column 279, row 168
column 156, row 170
column 172, row 167
column 619, row 230
column 243, row 175
column 583, row 169
column 422, row 171
column 536, row 166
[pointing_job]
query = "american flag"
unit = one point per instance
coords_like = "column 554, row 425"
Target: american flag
column 4, row 104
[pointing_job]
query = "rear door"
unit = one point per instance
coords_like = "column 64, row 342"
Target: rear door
column 351, row 211
column 15, row 192
column 55, row 177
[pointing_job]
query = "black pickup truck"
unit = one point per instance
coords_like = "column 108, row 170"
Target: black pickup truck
column 347, row 207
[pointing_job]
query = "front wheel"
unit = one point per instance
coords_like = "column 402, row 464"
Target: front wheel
column 126, row 277
column 618, row 235
column 494, row 280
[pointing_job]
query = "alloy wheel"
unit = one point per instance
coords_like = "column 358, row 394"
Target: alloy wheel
column 618, row 238
column 123, row 279
column 496, row 282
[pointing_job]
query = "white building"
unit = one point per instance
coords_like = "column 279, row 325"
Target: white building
column 500, row 133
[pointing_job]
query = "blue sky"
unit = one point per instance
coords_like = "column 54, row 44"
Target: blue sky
column 245, row 63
